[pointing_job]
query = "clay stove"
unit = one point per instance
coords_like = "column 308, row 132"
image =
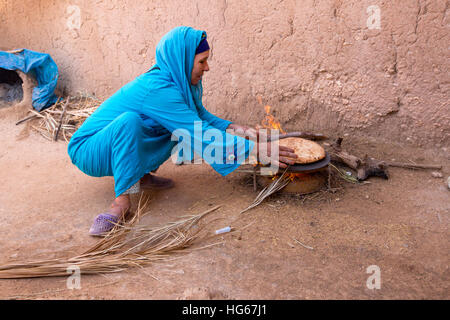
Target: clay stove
column 305, row 178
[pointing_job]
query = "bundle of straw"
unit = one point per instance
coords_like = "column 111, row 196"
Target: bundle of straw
column 276, row 185
column 65, row 115
column 123, row 247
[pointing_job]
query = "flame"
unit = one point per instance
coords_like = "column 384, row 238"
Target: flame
column 294, row 176
column 270, row 122
column 298, row 176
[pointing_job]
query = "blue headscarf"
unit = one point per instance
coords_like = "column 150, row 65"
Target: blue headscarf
column 175, row 54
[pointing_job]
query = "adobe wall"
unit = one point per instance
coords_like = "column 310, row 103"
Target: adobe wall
column 321, row 64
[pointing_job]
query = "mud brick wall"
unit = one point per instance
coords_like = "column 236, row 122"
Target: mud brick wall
column 363, row 67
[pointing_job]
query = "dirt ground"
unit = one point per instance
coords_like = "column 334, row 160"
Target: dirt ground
column 401, row 225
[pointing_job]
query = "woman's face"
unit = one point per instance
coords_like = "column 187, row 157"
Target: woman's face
column 200, row 66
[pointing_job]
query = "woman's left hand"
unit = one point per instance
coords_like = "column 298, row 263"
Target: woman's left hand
column 244, row 131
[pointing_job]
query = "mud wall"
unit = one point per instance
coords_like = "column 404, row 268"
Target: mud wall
column 366, row 67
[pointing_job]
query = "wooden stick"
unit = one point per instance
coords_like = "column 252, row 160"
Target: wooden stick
column 305, row 135
column 368, row 166
column 25, row 119
column 254, row 179
column 244, row 171
column 413, row 166
column 15, row 51
column 365, row 167
column 61, row 119
column 304, row 245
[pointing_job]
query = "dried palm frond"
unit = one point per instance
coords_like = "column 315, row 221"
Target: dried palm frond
column 125, row 246
column 276, row 185
column 65, row 116
column 345, row 176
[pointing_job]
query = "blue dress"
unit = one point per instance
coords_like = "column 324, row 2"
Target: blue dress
column 136, row 129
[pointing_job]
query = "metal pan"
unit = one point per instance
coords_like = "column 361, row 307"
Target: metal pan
column 310, row 166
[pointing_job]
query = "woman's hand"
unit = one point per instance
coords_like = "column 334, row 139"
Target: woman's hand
column 243, row 131
column 262, row 150
column 263, row 153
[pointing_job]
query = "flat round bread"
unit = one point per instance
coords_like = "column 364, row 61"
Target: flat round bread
column 307, row 151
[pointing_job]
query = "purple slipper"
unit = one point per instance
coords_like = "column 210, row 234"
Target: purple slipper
column 103, row 223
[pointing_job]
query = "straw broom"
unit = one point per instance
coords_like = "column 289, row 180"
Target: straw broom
column 125, row 246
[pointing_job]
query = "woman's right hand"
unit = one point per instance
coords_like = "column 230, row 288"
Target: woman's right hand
column 264, row 154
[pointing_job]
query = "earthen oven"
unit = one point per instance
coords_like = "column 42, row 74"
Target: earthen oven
column 305, row 178
column 11, row 91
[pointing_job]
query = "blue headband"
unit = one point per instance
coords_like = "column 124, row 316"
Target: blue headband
column 203, row 46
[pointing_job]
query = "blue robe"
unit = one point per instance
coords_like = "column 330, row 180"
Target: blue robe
column 135, row 130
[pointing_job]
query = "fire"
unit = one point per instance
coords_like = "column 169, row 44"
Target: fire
column 270, row 122
column 299, row 176
column 294, row 176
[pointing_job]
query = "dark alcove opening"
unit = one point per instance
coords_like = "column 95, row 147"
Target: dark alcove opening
column 11, row 91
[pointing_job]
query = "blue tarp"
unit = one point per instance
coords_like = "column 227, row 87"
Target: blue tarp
column 41, row 66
